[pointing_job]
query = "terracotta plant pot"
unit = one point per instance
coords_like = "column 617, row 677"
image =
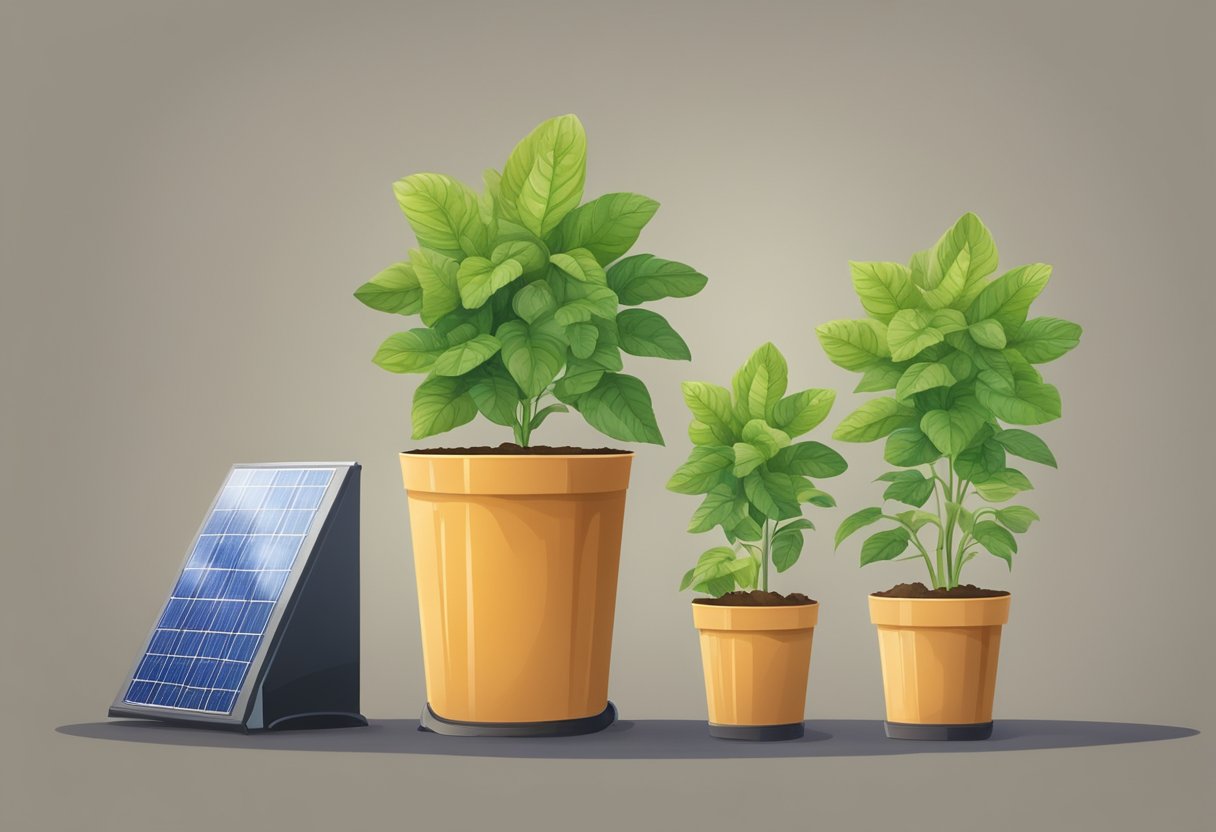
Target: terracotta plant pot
column 756, row 662
column 939, row 664
column 516, row 564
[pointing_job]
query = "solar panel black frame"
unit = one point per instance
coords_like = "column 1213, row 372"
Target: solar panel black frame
column 344, row 486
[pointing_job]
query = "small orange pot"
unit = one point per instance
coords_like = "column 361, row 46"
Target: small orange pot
column 939, row 660
column 756, row 662
column 516, row 561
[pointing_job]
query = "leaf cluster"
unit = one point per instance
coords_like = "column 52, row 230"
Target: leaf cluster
column 519, row 289
column 754, row 477
column 959, row 354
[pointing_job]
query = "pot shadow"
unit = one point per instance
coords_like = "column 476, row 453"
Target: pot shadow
column 644, row 739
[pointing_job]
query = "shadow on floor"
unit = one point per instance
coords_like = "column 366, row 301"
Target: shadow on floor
column 644, row 739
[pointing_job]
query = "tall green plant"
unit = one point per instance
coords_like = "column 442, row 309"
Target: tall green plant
column 755, row 478
column 519, row 289
column 960, row 355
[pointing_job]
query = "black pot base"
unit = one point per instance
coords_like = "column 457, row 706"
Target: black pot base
column 757, row 733
column 918, row 731
column 436, row 724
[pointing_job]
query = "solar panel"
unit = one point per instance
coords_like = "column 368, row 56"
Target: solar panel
column 269, row 528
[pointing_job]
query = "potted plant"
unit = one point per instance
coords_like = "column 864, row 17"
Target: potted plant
column 959, row 356
column 516, row 547
column 755, row 643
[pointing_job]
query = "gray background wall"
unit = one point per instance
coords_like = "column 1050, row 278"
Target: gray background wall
column 191, row 192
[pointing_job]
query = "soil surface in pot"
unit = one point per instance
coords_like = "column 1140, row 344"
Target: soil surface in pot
column 919, row 590
column 757, row 598
column 511, row 449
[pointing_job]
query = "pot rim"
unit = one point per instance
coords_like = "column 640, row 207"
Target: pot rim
column 931, row 612
column 617, row 455
column 989, row 598
column 711, row 617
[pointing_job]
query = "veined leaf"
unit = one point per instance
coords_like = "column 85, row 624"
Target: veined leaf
column 908, row 447
column 477, row 279
column 582, row 338
column 760, row 383
column 413, row 351
column 996, row 540
column 644, row 277
column 495, row 393
column 443, row 213
column 543, row 178
column 394, row 290
column 874, row 420
column 1026, row 445
column 580, row 377
column 619, row 406
column 722, row 506
column 886, row 545
column 710, row 405
column 952, row 430
column 1040, row 340
column 645, row 333
column 529, row 254
column 968, row 233
column 583, row 301
column 533, row 353
column 856, row 521
column 607, row 226
column 460, row 359
column 1003, row 485
column 1007, row 299
column 914, row 330
column 923, row 376
column 980, row 461
column 772, row 494
column 581, row 265
column 883, row 375
column 768, row 439
column 884, row 288
column 440, row 404
column 545, row 412
column 909, row 487
column 988, row 333
column 748, row 458
column 786, row 548
column 533, row 301
column 1028, row 404
column 854, row 345
column 953, row 281
column 437, row 277
column 799, row 412
column 1016, row 518
column 918, row 519
column 607, row 352
column 811, row 459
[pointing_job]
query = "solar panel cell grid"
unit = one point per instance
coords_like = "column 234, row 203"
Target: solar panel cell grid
column 198, row 656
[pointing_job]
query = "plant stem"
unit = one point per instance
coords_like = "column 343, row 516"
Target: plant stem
column 766, row 543
column 966, row 538
column 941, row 566
column 525, row 421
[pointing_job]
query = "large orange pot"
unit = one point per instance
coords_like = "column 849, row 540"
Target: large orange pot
column 939, row 660
column 516, row 560
column 756, row 661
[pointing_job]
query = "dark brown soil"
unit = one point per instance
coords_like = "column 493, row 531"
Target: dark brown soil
column 511, row 449
column 919, row 590
column 757, row 598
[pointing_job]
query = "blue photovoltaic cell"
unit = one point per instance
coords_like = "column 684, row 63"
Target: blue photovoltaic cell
column 199, row 654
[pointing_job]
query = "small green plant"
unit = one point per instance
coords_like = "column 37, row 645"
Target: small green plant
column 959, row 353
column 755, row 478
column 519, row 290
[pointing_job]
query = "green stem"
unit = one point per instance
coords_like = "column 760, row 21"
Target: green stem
column 924, row 553
column 525, row 421
column 766, row 543
column 941, row 566
column 966, row 538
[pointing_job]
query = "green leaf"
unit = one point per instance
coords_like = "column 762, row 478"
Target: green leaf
column 1007, row 299
column 956, row 512
column 970, row 234
column 914, row 330
column 799, row 412
column 786, row 548
column 923, row 376
column 952, row 430
column 644, row 277
column 774, row 495
column 874, row 420
column 533, row 353
column 477, row 279
column 706, row 468
column 607, row 353
column 908, row 487
column 908, row 447
column 495, row 393
column 1003, row 485
column 1016, row 518
column 722, row 506
column 440, row 404
column 815, row 496
column 996, row 540
column 533, row 301
column 410, row 352
column 886, row 545
column 710, row 406
column 579, row 378
column 1026, row 445
column 607, row 226
column 953, row 282
column 715, row 571
column 581, row 265
column 884, row 288
column 884, row 375
column 854, row 345
column 918, row 519
column 619, row 406
column 748, row 458
column 745, row 529
column 856, row 521
column 543, row 178
column 437, row 277
column 527, row 253
column 988, row 333
column 582, row 338
column 760, row 383
column 980, row 461
column 1029, row 403
column 768, row 439
column 644, row 333
column 394, row 290
column 443, row 213
column 811, row 459
column 959, row 364
column 463, row 357
column 584, row 301
column 545, row 412
column 1040, row 340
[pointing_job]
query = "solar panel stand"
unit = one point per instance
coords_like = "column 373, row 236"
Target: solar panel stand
column 305, row 671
